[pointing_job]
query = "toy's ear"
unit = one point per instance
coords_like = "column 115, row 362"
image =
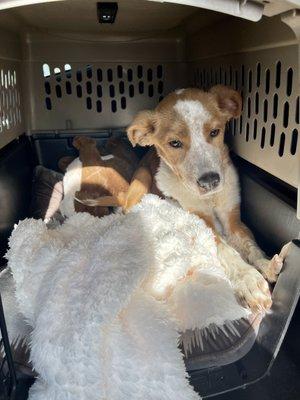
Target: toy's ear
column 141, row 130
column 229, row 100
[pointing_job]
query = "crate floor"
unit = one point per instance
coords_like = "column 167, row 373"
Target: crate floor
column 284, row 380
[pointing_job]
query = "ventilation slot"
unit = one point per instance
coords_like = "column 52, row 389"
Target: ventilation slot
column 58, row 91
column 289, row 82
column 265, row 110
column 263, row 137
column 150, row 91
column 89, row 87
column 272, row 135
column 268, row 77
column 297, row 114
column 275, row 105
column 99, row 106
column 131, row 90
column 48, row 103
column 129, row 75
column 88, row 103
column 68, row 88
column 121, row 87
column 114, row 106
column 99, row 91
column 111, row 90
column 123, row 103
column 255, row 129
column 281, row 145
column 141, row 87
column 286, row 114
column 278, row 74
column 294, row 142
column 256, row 103
column 149, row 75
column 89, row 72
column 120, row 71
column 79, row 76
column 99, row 75
column 247, row 132
column 139, row 71
column 47, row 88
column 109, row 75
column 250, row 81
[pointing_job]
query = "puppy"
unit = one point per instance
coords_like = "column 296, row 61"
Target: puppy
column 186, row 133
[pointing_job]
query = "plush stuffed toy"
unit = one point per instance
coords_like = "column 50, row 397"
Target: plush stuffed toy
column 97, row 173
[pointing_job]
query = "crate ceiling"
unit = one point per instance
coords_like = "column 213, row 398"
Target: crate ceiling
column 80, row 16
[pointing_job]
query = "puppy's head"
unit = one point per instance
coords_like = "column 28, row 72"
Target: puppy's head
column 187, row 129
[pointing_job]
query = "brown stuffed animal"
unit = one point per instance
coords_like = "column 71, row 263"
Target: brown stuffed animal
column 103, row 175
column 142, row 182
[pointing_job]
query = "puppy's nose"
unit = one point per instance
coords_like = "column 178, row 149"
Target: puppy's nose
column 209, row 180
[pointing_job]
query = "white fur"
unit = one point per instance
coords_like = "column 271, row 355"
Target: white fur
column 107, row 297
column 202, row 157
column 209, row 204
column 72, row 184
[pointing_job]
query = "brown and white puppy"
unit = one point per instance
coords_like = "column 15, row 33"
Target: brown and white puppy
column 187, row 131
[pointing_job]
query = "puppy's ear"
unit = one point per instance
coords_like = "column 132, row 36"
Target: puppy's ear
column 141, row 130
column 228, row 99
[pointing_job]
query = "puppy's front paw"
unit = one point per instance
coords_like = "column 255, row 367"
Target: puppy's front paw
column 270, row 268
column 254, row 290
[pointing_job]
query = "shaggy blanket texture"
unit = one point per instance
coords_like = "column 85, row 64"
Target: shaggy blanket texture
column 107, row 299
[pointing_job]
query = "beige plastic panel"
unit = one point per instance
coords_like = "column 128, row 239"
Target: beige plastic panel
column 76, row 95
column 267, row 134
column 11, row 120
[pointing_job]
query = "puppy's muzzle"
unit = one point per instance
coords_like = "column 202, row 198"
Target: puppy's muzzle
column 209, row 180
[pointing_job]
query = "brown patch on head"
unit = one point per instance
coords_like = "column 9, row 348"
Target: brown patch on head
column 229, row 101
column 142, row 129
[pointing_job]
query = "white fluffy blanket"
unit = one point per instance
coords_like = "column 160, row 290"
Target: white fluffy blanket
column 107, row 299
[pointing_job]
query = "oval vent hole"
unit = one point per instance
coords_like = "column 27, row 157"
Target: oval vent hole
column 294, row 142
column 289, row 82
column 278, row 74
column 272, row 135
column 281, row 144
column 263, row 137
column 88, row 103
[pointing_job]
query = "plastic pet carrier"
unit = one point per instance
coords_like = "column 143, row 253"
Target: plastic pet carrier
column 70, row 67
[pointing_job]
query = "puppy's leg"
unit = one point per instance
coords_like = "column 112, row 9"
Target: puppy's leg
column 241, row 238
column 248, row 283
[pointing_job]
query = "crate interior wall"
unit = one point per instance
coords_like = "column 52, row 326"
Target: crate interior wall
column 11, row 115
column 83, row 80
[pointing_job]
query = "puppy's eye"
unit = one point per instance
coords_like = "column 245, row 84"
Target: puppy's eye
column 176, row 144
column 214, row 132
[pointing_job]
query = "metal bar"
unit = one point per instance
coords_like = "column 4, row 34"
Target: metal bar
column 8, row 353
